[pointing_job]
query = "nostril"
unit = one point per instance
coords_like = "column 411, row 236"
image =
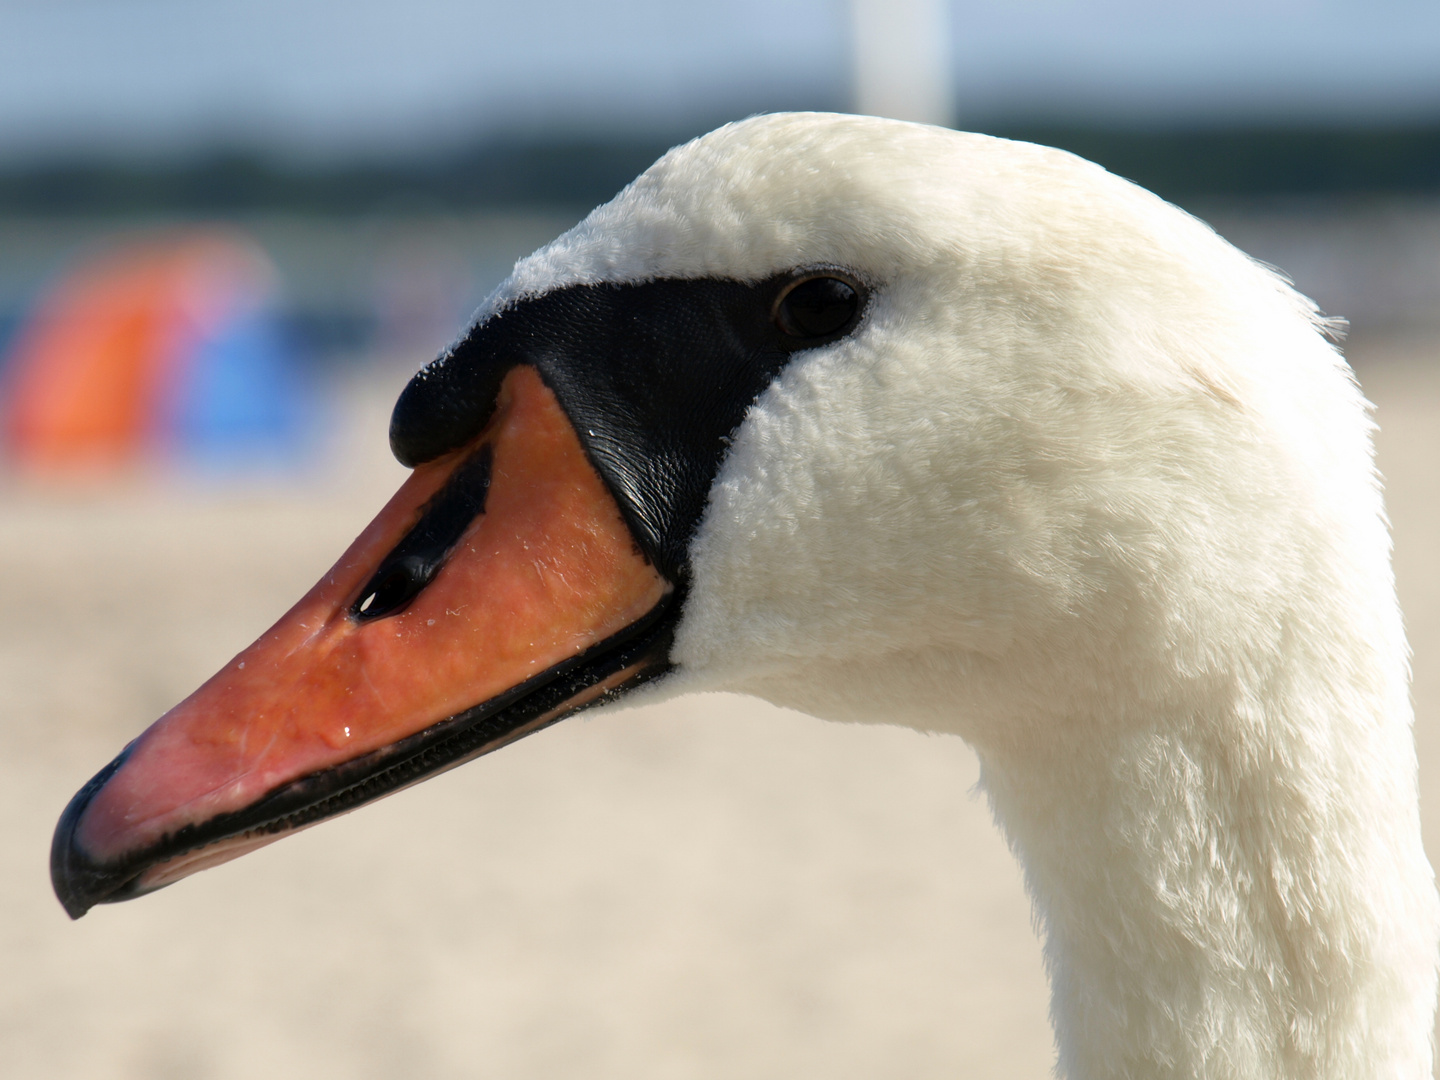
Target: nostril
column 397, row 587
column 418, row 557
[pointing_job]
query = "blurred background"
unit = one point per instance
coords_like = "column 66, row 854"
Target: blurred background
column 229, row 231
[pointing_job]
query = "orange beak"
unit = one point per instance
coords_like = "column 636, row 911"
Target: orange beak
column 497, row 592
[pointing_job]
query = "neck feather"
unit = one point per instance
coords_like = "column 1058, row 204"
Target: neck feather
column 1233, row 887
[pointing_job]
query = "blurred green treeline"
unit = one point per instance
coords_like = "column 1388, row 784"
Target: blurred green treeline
column 578, row 172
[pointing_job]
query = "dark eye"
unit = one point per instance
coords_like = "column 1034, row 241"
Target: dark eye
column 817, row 307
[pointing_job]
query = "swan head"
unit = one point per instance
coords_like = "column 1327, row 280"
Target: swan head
column 892, row 423
column 1076, row 447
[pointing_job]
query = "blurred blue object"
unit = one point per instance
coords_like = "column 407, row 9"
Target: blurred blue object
column 242, row 401
column 168, row 347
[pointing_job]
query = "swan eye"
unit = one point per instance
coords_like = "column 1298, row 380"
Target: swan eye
column 817, row 307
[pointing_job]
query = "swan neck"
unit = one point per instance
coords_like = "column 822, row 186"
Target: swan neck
column 1208, row 898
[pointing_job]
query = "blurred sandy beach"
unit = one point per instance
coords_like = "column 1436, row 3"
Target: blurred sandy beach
column 713, row 888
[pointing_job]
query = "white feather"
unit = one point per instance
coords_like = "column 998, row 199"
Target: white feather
column 1090, row 489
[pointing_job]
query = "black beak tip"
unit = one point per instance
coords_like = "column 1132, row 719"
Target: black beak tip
column 79, row 881
column 66, row 876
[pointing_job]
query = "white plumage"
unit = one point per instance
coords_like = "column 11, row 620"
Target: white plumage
column 1092, row 490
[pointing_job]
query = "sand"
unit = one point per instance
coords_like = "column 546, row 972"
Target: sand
column 713, row 888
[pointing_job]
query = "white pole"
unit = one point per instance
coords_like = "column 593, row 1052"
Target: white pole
column 902, row 59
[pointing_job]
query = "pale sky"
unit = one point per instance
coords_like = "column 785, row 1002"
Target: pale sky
column 337, row 76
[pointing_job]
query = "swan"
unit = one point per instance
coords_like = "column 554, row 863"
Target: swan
column 889, row 423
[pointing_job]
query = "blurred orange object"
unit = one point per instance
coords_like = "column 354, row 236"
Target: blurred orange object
column 100, row 359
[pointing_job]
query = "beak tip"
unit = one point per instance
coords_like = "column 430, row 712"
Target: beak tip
column 79, row 881
column 67, row 865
